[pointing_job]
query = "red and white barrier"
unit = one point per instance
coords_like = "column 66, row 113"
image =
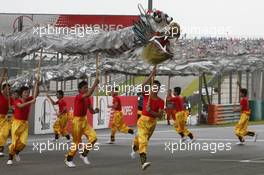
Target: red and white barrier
column 45, row 114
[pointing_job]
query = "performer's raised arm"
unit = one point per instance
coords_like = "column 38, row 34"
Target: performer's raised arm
column 91, row 90
column 148, row 79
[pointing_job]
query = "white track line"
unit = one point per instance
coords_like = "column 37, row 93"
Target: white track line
column 204, row 129
column 230, row 160
column 120, row 136
column 155, row 139
column 198, row 139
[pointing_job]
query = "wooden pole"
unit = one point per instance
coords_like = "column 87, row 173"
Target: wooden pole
column 236, row 93
column 8, row 92
column 133, row 80
column 106, row 93
column 169, row 82
column 38, row 74
column 47, row 91
column 10, row 111
column 150, row 90
column 97, row 76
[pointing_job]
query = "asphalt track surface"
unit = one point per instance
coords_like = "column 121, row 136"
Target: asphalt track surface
column 114, row 159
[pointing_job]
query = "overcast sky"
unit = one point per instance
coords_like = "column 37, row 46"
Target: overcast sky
column 197, row 17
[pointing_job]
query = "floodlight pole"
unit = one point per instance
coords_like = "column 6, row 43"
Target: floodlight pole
column 20, row 24
column 19, row 29
column 150, row 4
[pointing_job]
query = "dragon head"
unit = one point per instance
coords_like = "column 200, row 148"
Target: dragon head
column 156, row 30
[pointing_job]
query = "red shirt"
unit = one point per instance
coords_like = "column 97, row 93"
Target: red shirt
column 22, row 113
column 244, row 104
column 81, row 105
column 179, row 103
column 118, row 101
column 4, row 106
column 169, row 102
column 62, row 104
column 155, row 105
column 169, row 98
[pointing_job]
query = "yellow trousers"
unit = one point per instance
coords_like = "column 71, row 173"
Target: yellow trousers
column 118, row 123
column 186, row 114
column 5, row 129
column 241, row 127
column 2, row 120
column 146, row 126
column 60, row 125
column 80, row 126
column 19, row 133
column 179, row 124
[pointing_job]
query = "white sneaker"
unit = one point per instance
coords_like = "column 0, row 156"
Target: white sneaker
column 2, row 154
column 85, row 160
column 110, row 142
column 70, row 164
column 9, row 162
column 183, row 139
column 145, row 165
column 133, row 153
column 255, row 137
column 240, row 143
column 17, row 158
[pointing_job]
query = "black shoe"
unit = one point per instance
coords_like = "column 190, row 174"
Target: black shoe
column 112, row 140
column 131, row 131
column 68, row 137
column 190, row 136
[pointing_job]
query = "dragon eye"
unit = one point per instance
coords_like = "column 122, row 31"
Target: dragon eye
column 169, row 19
column 151, row 14
column 158, row 18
